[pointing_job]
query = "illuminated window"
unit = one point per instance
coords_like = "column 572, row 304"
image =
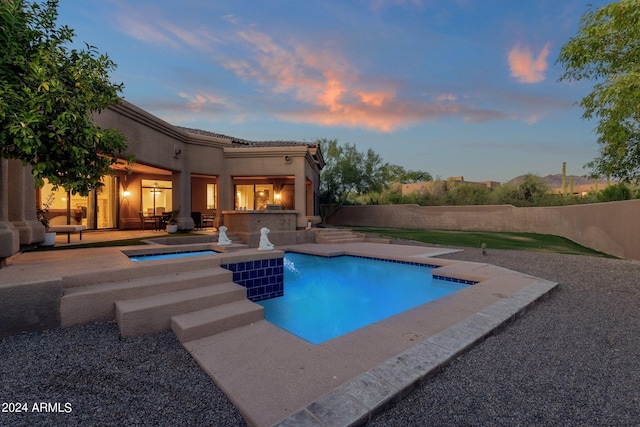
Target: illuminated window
column 211, row 196
column 156, row 196
column 253, row 196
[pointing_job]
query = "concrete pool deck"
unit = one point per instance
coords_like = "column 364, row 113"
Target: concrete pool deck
column 276, row 378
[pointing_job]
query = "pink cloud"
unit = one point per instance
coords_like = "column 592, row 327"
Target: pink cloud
column 329, row 86
column 534, row 118
column 326, row 86
column 204, row 101
column 150, row 27
column 526, row 67
column 145, row 32
column 375, row 99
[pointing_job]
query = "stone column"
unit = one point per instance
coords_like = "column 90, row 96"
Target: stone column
column 30, row 215
column 9, row 236
column 181, row 188
column 226, row 196
column 300, row 202
column 22, row 204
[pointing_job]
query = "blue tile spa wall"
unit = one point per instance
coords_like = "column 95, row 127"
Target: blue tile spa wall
column 264, row 279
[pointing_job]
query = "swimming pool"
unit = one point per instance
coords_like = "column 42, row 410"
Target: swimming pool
column 153, row 257
column 328, row 297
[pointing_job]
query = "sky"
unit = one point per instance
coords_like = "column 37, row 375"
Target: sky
column 451, row 87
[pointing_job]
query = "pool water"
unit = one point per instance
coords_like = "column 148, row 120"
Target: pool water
column 169, row 256
column 328, row 297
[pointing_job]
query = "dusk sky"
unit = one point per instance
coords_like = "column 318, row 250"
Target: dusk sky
column 455, row 88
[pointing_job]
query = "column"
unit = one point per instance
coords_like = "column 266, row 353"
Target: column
column 22, row 204
column 226, row 197
column 30, row 216
column 181, row 188
column 300, row 185
column 9, row 236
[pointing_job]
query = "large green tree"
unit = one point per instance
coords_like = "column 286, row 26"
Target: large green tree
column 348, row 171
column 606, row 50
column 400, row 174
column 48, row 92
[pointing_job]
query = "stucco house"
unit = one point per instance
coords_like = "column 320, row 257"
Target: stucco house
column 197, row 173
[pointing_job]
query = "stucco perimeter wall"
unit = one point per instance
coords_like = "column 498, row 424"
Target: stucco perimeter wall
column 611, row 227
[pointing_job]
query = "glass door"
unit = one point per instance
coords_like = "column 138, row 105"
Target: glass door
column 96, row 211
column 106, row 206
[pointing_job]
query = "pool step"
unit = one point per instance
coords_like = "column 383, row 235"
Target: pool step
column 153, row 314
column 211, row 321
column 338, row 235
column 96, row 302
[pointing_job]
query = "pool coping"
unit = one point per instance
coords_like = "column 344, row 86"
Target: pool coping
column 354, row 400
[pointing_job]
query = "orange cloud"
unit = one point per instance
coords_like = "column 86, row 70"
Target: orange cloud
column 526, row 67
column 203, row 101
column 375, row 99
column 326, row 87
column 321, row 79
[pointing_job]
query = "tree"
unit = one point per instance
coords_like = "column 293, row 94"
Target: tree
column 530, row 190
column 48, row 92
column 466, row 194
column 614, row 193
column 400, row 174
column 348, row 172
column 606, row 49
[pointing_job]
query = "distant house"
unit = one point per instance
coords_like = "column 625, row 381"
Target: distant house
column 440, row 186
column 194, row 172
column 581, row 189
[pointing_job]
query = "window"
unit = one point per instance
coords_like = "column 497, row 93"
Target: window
column 211, row 196
column 253, row 196
column 156, row 197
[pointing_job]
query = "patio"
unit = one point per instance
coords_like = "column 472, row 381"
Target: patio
column 295, row 382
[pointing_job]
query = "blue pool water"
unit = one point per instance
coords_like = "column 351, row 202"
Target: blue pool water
column 328, row 297
column 169, row 256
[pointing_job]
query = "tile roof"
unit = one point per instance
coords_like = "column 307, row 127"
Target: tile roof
column 245, row 143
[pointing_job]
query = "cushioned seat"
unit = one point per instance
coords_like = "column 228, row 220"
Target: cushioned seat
column 68, row 229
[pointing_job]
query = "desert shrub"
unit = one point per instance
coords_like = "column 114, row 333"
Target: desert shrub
column 467, row 194
column 614, row 193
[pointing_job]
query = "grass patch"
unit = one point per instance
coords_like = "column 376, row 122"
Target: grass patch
column 493, row 240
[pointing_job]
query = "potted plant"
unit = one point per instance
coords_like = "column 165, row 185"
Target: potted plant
column 43, row 216
column 172, row 222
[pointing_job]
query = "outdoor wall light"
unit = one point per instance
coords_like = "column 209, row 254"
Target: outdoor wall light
column 277, row 197
column 126, row 194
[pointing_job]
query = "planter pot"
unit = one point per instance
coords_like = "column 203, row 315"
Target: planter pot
column 49, row 239
column 172, row 228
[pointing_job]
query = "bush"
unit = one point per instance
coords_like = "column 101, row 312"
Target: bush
column 614, row 193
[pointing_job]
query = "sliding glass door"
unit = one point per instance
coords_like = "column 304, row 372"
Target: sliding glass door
column 99, row 210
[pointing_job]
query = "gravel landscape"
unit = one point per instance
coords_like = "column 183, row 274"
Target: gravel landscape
column 573, row 359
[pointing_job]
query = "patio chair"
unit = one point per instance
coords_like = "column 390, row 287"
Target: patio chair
column 207, row 220
column 197, row 219
column 147, row 220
